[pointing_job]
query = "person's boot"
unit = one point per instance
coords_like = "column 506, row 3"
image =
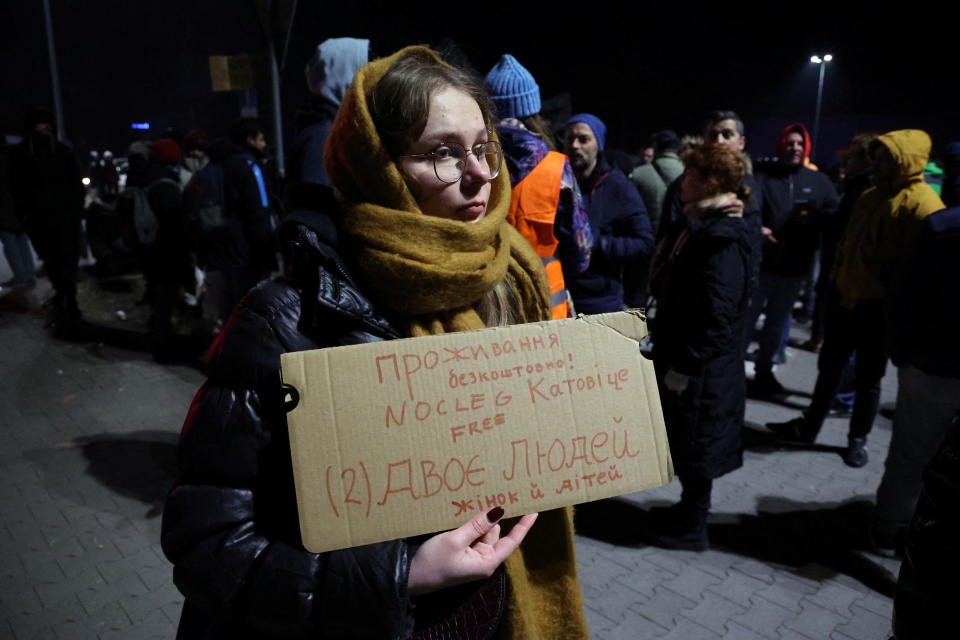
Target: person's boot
column 795, row 430
column 667, row 516
column 887, row 540
column 685, row 529
column 856, row 454
column 65, row 319
column 764, row 385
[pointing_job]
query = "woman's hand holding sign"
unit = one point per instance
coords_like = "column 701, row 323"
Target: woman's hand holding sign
column 470, row 552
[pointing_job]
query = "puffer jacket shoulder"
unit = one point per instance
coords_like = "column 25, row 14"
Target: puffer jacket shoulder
column 230, row 524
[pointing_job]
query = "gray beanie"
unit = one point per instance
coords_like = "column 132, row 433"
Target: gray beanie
column 512, row 89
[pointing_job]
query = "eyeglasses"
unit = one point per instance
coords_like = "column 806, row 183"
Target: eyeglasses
column 450, row 159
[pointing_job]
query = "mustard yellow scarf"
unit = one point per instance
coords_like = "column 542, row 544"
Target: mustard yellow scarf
column 434, row 271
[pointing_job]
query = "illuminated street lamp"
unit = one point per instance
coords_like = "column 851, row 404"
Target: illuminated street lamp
column 823, row 71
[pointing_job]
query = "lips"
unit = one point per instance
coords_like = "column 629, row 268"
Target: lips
column 474, row 211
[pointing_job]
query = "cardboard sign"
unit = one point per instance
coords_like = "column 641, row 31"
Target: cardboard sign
column 404, row 437
column 241, row 72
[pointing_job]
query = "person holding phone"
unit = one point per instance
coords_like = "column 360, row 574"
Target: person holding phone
column 796, row 201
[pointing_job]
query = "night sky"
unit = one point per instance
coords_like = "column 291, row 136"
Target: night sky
column 640, row 66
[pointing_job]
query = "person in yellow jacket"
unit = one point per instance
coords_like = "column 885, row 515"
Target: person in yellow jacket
column 878, row 237
column 886, row 217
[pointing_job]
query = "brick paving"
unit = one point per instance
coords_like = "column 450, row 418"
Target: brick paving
column 87, row 450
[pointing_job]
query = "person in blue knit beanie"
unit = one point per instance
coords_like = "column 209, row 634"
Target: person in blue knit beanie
column 516, row 96
column 596, row 126
column 618, row 219
column 545, row 205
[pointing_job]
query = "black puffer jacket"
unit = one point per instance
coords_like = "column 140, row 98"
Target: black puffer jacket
column 230, row 524
column 702, row 294
column 796, row 202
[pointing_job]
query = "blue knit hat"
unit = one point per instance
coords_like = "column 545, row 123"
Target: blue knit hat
column 595, row 123
column 512, row 89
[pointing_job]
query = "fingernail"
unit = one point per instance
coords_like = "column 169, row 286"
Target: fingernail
column 495, row 514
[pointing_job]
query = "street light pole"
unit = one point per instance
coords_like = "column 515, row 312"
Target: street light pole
column 823, row 71
column 54, row 74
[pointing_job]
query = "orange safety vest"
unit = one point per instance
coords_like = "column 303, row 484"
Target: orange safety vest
column 533, row 207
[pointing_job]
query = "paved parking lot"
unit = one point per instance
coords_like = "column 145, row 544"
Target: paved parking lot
column 88, row 434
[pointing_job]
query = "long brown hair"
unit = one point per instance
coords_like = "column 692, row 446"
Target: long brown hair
column 540, row 127
column 400, row 103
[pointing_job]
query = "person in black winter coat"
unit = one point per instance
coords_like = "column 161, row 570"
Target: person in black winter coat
column 166, row 262
column 274, row 588
column 243, row 251
column 230, row 525
column 796, row 202
column 725, row 127
column 48, row 198
column 620, row 224
column 701, row 280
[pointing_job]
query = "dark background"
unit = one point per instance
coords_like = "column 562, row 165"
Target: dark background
column 639, row 66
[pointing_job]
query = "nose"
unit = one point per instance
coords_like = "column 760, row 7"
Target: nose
column 475, row 170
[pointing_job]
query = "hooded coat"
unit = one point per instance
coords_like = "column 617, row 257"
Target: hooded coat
column 329, row 74
column 702, row 295
column 796, row 201
column 885, row 221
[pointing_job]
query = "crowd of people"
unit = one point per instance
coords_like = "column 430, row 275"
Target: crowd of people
column 423, row 199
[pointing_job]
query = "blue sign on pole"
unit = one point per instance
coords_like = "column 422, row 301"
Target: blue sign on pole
column 139, row 125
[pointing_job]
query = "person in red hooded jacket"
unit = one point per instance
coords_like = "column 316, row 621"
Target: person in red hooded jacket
column 796, row 201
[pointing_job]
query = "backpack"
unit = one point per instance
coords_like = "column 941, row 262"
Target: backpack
column 203, row 200
column 144, row 219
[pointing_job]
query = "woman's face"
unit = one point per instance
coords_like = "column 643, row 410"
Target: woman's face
column 691, row 186
column 454, row 117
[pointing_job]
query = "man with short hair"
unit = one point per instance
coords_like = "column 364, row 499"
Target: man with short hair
column 725, row 127
column 243, row 252
column 652, row 178
column 796, row 202
column 621, row 228
column 722, row 127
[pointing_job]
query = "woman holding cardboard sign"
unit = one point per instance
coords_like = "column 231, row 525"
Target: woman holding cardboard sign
column 700, row 278
column 421, row 213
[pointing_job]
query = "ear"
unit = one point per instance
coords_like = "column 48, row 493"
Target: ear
column 743, row 143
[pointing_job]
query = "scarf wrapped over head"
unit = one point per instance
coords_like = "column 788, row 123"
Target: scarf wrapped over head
column 432, row 270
